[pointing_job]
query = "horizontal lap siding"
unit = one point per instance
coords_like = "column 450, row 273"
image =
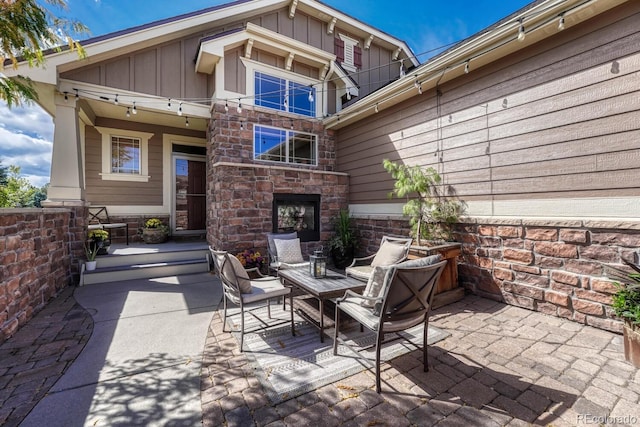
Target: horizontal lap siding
column 562, row 118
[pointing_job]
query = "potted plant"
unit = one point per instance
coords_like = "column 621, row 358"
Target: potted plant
column 91, row 251
column 99, row 239
column 626, row 305
column 343, row 244
column 154, row 231
column 251, row 260
column 433, row 210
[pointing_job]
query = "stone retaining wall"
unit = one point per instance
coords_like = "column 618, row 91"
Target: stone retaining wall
column 551, row 266
column 36, row 247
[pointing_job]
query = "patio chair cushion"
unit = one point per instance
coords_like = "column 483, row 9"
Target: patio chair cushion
column 421, row 262
column 271, row 286
column 244, row 282
column 388, row 254
column 374, row 285
column 360, row 272
column 289, row 251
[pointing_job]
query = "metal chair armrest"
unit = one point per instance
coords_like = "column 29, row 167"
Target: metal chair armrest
column 362, row 261
column 255, row 270
column 349, row 293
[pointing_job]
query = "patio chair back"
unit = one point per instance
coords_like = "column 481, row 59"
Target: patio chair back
column 227, row 275
column 409, row 295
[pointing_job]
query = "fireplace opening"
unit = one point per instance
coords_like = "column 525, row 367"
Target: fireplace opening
column 297, row 212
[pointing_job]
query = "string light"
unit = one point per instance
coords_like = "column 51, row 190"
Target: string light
column 115, row 100
column 286, row 102
column 375, row 108
column 239, row 106
column 402, row 73
column 466, row 67
column 561, row 22
column 169, row 104
column 128, row 114
column 180, row 109
column 241, row 125
column 77, row 95
column 311, row 94
column 226, row 106
column 521, row 34
column 186, row 121
column 134, row 110
column 66, row 97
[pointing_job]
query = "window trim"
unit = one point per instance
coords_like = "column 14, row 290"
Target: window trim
column 287, row 131
column 106, row 173
column 349, row 53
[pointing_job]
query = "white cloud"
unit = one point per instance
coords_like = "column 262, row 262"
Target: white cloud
column 26, row 140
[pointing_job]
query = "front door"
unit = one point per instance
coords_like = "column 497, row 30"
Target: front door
column 189, row 194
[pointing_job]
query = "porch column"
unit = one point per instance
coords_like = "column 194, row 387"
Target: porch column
column 67, row 178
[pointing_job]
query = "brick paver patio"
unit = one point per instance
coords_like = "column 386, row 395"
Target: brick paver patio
column 502, row 365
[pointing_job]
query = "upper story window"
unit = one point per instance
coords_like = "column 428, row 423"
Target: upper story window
column 125, row 155
column 284, row 95
column 348, row 53
column 285, row 146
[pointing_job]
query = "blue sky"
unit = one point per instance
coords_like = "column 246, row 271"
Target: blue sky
column 26, row 133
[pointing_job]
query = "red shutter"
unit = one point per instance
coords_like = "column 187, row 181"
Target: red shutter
column 357, row 56
column 339, row 49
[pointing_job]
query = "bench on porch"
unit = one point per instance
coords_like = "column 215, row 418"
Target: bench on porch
column 99, row 220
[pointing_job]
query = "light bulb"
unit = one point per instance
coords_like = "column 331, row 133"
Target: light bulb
column 521, row 34
column 169, row 104
column 239, row 106
column 375, row 108
column 180, row 109
column 466, row 67
column 128, row 114
column 134, row 110
column 561, row 23
column 186, row 121
column 115, row 101
column 226, row 106
column 311, row 95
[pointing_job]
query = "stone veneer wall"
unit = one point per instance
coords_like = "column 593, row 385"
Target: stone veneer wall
column 38, row 249
column 551, row 266
column 240, row 190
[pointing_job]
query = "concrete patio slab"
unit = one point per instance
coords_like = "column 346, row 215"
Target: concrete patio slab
column 142, row 362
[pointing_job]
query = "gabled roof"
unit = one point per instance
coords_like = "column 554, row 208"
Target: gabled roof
column 114, row 44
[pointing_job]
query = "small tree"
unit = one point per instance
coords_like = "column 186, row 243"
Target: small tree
column 431, row 213
column 26, row 31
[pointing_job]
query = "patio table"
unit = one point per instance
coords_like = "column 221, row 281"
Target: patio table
column 332, row 286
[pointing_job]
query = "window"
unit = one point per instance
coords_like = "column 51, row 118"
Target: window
column 284, row 95
column 285, row 146
column 124, row 155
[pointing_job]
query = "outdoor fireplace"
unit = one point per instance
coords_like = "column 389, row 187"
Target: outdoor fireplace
column 297, row 212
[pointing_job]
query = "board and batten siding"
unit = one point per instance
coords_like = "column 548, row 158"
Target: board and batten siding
column 167, row 69
column 557, row 121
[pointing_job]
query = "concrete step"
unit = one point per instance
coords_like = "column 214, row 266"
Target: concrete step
column 114, row 268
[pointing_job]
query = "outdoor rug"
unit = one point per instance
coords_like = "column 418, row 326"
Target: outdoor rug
column 288, row 366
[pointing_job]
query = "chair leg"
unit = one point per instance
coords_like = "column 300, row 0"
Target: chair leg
column 378, row 345
column 241, row 329
column 335, row 333
column 224, row 317
column 269, row 308
column 425, row 356
column 284, row 298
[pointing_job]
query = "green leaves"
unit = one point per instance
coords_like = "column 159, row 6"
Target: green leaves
column 626, row 301
column 27, row 30
column 431, row 213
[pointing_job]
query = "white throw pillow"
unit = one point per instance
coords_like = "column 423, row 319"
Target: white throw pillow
column 288, row 250
column 389, row 253
column 374, row 285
